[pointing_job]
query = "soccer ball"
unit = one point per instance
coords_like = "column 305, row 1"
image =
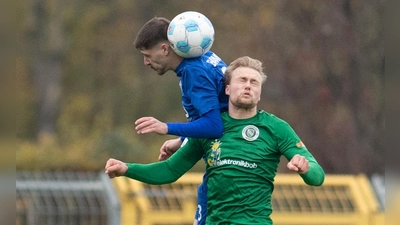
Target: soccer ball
column 190, row 34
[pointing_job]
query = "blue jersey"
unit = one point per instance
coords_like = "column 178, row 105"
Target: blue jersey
column 202, row 85
column 203, row 91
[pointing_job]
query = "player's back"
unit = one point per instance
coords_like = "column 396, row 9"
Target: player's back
column 202, row 84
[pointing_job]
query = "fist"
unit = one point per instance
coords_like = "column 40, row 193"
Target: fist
column 115, row 168
column 298, row 164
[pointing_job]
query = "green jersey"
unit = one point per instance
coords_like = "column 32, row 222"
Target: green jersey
column 241, row 167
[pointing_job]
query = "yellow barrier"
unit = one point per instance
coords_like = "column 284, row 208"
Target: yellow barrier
column 144, row 204
column 341, row 200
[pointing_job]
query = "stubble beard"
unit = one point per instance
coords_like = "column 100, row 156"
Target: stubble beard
column 160, row 70
column 246, row 105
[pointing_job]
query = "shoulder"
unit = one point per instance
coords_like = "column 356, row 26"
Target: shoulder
column 192, row 66
column 207, row 61
column 273, row 122
column 213, row 59
column 269, row 116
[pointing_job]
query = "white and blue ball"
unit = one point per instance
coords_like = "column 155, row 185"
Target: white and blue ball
column 190, row 34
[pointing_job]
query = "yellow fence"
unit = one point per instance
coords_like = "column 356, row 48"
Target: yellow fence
column 143, row 204
column 342, row 200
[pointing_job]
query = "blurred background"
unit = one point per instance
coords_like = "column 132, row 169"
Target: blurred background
column 81, row 84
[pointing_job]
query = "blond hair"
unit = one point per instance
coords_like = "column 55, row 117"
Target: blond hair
column 244, row 61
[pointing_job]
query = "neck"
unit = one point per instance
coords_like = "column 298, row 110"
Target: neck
column 241, row 113
column 175, row 60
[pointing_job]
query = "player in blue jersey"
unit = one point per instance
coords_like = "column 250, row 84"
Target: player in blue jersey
column 203, row 95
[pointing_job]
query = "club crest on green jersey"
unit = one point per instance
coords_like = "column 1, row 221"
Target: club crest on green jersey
column 250, row 132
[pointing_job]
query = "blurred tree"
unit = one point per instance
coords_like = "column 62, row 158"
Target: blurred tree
column 46, row 52
column 7, row 70
column 334, row 56
column 7, row 95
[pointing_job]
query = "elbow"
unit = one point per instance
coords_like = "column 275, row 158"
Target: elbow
column 218, row 130
column 175, row 178
column 163, row 181
column 320, row 181
column 170, row 181
column 175, row 174
column 314, row 177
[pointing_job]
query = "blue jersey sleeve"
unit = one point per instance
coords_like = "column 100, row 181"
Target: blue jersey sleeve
column 200, row 92
column 208, row 126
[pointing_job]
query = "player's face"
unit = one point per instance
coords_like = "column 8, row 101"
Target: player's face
column 244, row 89
column 156, row 58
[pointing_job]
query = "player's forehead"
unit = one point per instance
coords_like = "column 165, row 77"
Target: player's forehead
column 246, row 72
column 151, row 50
column 154, row 50
column 147, row 51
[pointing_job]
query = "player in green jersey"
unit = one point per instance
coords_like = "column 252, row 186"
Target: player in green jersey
column 242, row 164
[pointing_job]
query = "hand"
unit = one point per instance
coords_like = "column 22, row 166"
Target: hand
column 115, row 168
column 146, row 125
column 168, row 148
column 298, row 164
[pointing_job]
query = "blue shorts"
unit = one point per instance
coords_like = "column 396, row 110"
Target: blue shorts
column 201, row 212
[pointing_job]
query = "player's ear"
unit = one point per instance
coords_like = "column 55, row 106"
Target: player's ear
column 227, row 89
column 165, row 48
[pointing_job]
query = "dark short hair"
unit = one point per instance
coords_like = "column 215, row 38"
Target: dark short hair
column 152, row 33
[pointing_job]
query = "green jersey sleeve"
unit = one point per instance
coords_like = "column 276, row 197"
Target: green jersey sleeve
column 315, row 175
column 170, row 170
column 290, row 144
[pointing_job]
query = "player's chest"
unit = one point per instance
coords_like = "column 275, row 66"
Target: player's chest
column 244, row 142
